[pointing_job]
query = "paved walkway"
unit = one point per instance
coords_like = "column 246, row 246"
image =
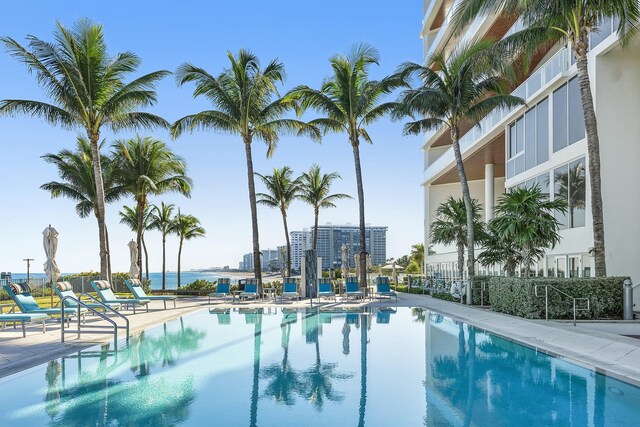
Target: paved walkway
column 614, row 355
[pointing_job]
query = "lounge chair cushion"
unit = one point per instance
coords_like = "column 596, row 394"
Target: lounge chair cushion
column 64, row 286
column 19, row 317
column 135, row 282
column 20, row 288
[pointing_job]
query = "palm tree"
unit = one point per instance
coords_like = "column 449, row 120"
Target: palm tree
column 450, row 226
column 187, row 227
column 525, row 220
column 76, row 171
column 417, row 255
column 464, row 86
column 148, row 166
column 572, row 188
column 349, row 101
column 129, row 217
column 569, row 21
column 246, row 103
column 88, row 91
column 163, row 221
column 315, row 189
column 282, row 190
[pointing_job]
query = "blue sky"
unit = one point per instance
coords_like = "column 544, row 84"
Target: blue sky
column 303, row 35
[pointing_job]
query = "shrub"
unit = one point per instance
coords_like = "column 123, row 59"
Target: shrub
column 200, row 285
column 516, row 296
column 477, row 293
column 405, row 289
column 444, row 296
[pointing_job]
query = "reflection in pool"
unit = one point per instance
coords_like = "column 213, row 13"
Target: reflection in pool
column 275, row 367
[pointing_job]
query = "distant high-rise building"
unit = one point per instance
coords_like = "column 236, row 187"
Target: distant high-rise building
column 300, row 242
column 332, row 237
column 270, row 260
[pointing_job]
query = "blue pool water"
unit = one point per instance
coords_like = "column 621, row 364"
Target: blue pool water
column 404, row 367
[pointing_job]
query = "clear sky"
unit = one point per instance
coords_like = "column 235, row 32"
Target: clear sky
column 165, row 34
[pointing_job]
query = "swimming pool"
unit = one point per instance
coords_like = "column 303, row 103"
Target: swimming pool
column 279, row 367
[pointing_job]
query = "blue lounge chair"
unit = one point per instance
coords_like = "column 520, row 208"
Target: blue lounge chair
column 23, row 318
column 135, row 286
column 383, row 289
column 64, row 289
column 103, row 288
column 290, row 289
column 21, row 295
column 324, row 289
column 384, row 315
column 223, row 289
column 250, row 290
column 223, row 314
column 352, row 289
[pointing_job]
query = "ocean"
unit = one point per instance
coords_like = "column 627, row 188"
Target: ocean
column 171, row 278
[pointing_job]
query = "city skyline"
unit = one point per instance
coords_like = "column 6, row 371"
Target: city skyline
column 215, row 162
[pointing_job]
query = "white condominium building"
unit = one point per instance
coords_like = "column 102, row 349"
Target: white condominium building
column 544, row 142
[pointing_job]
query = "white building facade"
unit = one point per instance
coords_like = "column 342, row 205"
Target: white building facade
column 544, row 143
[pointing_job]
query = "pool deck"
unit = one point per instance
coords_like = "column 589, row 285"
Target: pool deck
column 614, row 355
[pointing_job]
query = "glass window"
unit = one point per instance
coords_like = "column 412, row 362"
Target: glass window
column 510, row 169
column 519, row 135
column 561, row 192
column 560, row 118
column 543, row 183
column 561, row 266
column 519, row 164
column 530, row 139
column 577, row 196
column 512, row 140
column 542, row 132
column 575, row 114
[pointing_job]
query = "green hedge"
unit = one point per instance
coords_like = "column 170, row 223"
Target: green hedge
column 405, row 289
column 444, row 296
column 477, row 294
column 516, row 296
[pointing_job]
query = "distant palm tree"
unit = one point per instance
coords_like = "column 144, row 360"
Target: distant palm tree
column 315, row 189
column 569, row 21
column 572, row 188
column 450, row 226
column 525, row 220
column 282, row 189
column 417, row 255
column 129, row 217
column 187, row 227
column 163, row 221
column 246, row 103
column 76, row 172
column 146, row 166
column 88, row 92
column 464, row 86
column 349, row 101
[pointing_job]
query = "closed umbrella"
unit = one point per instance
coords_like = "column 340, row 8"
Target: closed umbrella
column 356, row 260
column 50, row 243
column 134, row 270
column 345, row 260
column 394, row 272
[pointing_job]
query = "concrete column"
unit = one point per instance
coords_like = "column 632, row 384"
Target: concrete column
column 489, row 192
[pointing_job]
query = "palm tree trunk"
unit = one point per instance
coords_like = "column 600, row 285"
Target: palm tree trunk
column 363, row 240
column 100, row 206
column 179, row 256
column 257, row 268
column 316, row 212
column 146, row 257
column 106, row 231
column 466, row 196
column 363, row 370
column 257, row 338
column 164, row 260
column 288, row 240
column 140, row 230
column 593, row 149
column 461, row 260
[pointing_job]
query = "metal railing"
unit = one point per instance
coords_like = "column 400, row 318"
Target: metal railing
column 80, row 304
column 546, row 300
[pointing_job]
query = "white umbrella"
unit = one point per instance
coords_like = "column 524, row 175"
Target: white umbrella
column 394, row 272
column 50, row 243
column 356, row 260
column 134, row 271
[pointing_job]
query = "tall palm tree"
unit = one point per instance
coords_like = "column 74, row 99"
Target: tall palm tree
column 450, row 226
column 525, row 220
column 350, row 101
column 187, row 227
column 88, row 91
column 163, row 221
column 282, row 189
column 129, row 217
column 315, row 189
column 246, row 103
column 76, row 172
column 417, row 255
column 465, row 86
column 568, row 21
column 146, row 166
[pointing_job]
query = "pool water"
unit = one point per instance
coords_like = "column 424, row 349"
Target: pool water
column 279, row 367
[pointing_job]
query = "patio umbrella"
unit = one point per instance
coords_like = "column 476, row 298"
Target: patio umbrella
column 394, row 272
column 134, row 271
column 50, row 243
column 356, row 260
column 345, row 260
